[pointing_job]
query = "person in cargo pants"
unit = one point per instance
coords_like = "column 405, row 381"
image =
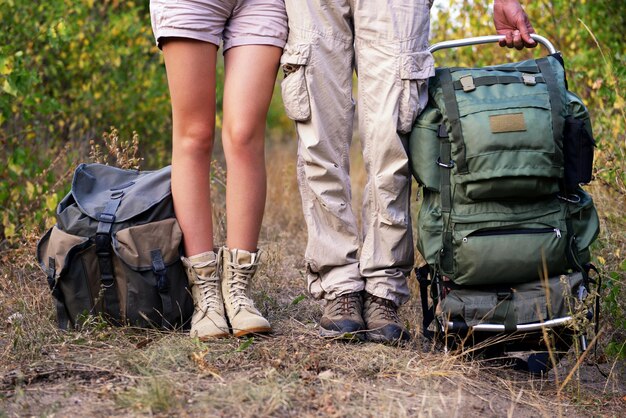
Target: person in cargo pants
column 362, row 277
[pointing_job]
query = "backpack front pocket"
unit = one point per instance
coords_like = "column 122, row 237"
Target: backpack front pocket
column 511, row 254
column 155, row 279
column 510, row 150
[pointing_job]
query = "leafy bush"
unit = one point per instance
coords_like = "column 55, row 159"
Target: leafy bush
column 68, row 71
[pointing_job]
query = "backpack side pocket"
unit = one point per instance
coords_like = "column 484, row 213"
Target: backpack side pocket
column 578, row 147
column 70, row 264
column 578, row 144
column 424, row 149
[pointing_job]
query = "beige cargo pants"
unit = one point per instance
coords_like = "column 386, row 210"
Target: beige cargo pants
column 385, row 42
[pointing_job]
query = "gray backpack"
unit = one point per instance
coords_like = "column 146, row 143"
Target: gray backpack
column 115, row 251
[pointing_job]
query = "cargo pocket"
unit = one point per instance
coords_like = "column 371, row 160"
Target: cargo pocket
column 508, row 153
column 415, row 69
column 70, row 264
column 294, row 88
column 534, row 302
column 471, row 307
column 157, row 293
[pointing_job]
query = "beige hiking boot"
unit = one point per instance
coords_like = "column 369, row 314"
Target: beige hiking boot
column 238, row 268
column 208, row 320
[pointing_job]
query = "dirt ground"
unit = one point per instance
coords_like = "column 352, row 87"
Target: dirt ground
column 101, row 371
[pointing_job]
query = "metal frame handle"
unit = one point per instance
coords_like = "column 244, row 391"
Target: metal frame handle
column 487, row 40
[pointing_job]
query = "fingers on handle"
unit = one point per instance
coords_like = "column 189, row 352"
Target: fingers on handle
column 525, row 29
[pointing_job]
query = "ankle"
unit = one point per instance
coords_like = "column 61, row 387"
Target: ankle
column 206, row 257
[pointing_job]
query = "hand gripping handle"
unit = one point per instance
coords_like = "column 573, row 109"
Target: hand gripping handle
column 487, row 40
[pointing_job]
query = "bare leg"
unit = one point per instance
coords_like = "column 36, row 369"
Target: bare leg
column 248, row 86
column 191, row 77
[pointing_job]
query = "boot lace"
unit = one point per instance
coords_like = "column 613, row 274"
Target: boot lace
column 382, row 309
column 345, row 305
column 209, row 289
column 238, row 284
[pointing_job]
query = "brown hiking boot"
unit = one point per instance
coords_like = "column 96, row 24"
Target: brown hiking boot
column 382, row 321
column 342, row 317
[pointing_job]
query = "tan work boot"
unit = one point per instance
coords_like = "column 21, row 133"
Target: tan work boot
column 208, row 320
column 238, row 268
column 382, row 321
column 342, row 317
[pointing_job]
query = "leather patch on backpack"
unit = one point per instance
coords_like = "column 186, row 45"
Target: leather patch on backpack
column 510, row 122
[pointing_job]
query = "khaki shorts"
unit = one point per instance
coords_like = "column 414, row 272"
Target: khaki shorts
column 233, row 22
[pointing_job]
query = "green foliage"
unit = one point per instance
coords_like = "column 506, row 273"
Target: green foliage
column 68, row 70
column 613, row 305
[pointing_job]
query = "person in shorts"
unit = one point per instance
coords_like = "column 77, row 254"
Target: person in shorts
column 253, row 33
column 362, row 275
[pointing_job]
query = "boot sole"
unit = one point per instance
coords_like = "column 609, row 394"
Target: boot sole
column 257, row 330
column 342, row 335
column 212, row 337
column 378, row 338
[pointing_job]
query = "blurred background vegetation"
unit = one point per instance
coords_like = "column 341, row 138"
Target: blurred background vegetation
column 71, row 70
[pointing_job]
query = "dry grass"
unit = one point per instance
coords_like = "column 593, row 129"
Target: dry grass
column 103, row 371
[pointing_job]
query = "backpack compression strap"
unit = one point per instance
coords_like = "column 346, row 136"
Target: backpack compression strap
column 104, row 251
column 63, row 317
column 492, row 80
column 428, row 312
column 163, row 286
column 556, row 105
column 452, row 109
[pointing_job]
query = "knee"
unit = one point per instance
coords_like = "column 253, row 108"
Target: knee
column 196, row 139
column 243, row 138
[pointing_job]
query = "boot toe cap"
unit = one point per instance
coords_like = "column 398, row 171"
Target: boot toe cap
column 390, row 333
column 210, row 326
column 249, row 324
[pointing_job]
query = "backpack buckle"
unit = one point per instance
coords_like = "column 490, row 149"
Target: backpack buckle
column 467, row 82
column 502, row 296
column 444, row 165
column 529, row 79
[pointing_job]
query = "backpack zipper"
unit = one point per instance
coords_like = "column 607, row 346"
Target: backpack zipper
column 519, row 231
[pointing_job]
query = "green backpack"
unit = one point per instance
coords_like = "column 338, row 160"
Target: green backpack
column 115, row 250
column 499, row 153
